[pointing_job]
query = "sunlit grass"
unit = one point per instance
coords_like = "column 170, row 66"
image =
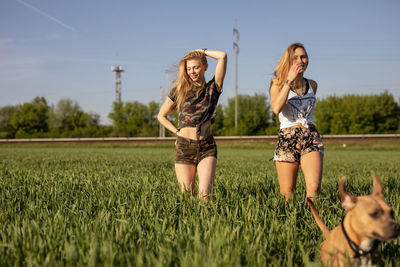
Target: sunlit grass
column 96, row 205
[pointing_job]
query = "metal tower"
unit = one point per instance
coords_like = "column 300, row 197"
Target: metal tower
column 236, row 48
column 117, row 80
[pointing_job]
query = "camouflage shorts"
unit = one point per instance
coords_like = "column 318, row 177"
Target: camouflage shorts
column 295, row 142
column 191, row 152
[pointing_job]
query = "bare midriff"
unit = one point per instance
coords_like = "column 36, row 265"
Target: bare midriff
column 191, row 132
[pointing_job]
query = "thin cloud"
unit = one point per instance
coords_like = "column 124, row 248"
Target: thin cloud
column 46, row 15
column 5, row 42
column 109, row 61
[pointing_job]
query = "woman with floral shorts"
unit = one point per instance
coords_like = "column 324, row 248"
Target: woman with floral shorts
column 299, row 143
column 294, row 142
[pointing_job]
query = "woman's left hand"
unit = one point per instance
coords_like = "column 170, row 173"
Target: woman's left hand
column 220, row 70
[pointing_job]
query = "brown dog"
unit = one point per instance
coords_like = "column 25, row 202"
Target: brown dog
column 368, row 221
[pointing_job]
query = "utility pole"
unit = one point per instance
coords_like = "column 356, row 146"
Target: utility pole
column 117, row 80
column 162, row 128
column 236, row 48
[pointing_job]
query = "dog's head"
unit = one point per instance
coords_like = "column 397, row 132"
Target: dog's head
column 373, row 217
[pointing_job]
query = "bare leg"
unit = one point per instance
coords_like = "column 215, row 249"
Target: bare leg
column 287, row 176
column 311, row 165
column 185, row 174
column 206, row 172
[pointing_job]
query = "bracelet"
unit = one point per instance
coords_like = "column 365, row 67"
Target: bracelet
column 287, row 81
column 204, row 50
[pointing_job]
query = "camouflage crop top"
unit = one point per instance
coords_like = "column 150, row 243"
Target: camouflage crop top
column 197, row 110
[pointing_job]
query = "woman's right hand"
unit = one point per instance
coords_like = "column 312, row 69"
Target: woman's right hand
column 294, row 70
column 166, row 109
column 177, row 135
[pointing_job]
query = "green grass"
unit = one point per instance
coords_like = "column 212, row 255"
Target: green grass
column 102, row 205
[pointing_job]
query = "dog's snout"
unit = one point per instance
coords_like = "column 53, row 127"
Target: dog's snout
column 393, row 230
column 396, row 229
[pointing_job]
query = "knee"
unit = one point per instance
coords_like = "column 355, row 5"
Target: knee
column 204, row 190
column 186, row 187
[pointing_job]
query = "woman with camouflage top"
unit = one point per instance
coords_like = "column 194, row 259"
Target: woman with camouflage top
column 196, row 102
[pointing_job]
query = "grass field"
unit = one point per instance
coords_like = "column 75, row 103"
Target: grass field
column 105, row 205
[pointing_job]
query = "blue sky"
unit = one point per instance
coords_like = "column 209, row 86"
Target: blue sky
column 65, row 48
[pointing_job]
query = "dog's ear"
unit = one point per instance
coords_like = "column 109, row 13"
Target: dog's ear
column 348, row 201
column 377, row 185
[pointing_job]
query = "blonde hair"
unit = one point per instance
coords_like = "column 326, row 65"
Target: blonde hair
column 281, row 71
column 183, row 82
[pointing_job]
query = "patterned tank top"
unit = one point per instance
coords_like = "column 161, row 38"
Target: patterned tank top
column 298, row 109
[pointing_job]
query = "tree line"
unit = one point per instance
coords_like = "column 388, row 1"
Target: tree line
column 348, row 114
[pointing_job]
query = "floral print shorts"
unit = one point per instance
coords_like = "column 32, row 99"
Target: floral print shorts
column 295, row 142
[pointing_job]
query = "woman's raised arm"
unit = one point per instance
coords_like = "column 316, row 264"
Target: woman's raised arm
column 220, row 70
column 279, row 95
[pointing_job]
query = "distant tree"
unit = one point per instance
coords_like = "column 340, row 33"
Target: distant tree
column 153, row 108
column 134, row 119
column 6, row 128
column 68, row 119
column 119, row 119
column 386, row 113
column 218, row 126
column 273, row 128
column 151, row 127
column 348, row 114
column 357, row 114
column 31, row 119
column 93, row 119
column 253, row 115
column 68, row 116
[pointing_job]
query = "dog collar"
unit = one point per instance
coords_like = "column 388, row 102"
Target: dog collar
column 359, row 252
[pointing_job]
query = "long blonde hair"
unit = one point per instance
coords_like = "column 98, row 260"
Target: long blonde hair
column 183, row 82
column 281, row 71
